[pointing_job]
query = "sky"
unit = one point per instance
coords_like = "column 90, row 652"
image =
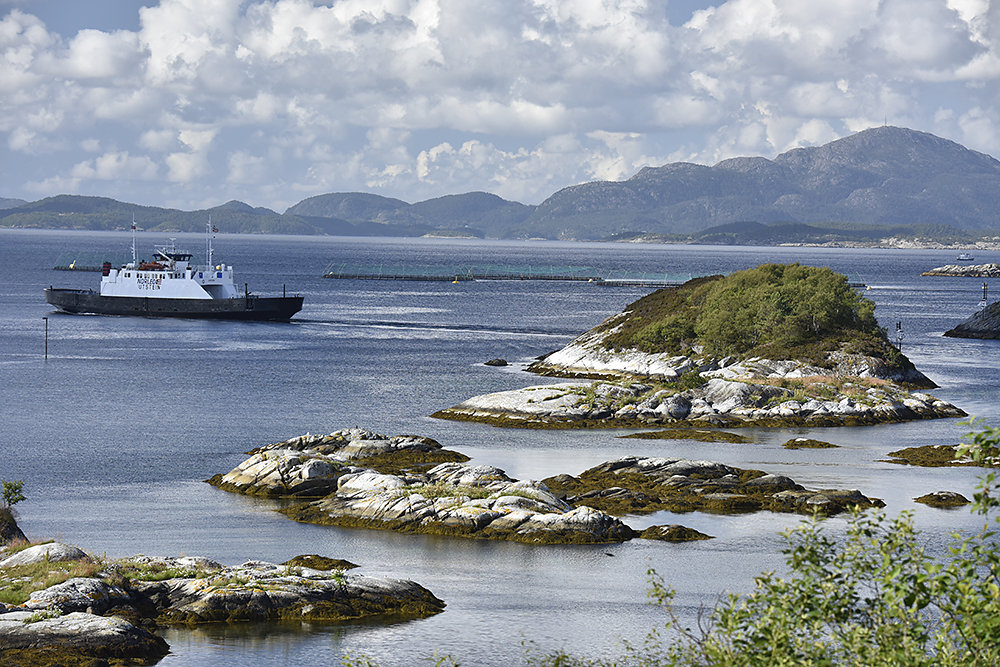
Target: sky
column 192, row 103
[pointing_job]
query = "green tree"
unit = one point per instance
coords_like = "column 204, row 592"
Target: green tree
column 12, row 492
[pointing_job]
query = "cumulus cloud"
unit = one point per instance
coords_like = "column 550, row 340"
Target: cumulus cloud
column 419, row 98
column 116, row 166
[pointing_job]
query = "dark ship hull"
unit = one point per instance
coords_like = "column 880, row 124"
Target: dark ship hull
column 248, row 307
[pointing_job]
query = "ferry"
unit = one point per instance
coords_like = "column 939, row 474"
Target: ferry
column 965, row 257
column 171, row 286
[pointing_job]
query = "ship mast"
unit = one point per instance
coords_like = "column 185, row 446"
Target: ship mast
column 208, row 241
column 135, row 261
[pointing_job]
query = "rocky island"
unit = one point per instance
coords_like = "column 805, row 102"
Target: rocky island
column 983, row 324
column 481, row 502
column 777, row 345
column 65, row 607
column 965, row 271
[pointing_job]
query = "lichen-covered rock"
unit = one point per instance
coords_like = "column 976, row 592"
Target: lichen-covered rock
column 808, row 443
column 258, row 591
column 673, row 533
column 91, row 595
column 587, row 356
column 462, row 500
column 943, row 499
column 77, row 638
column 648, row 484
column 719, row 401
column 322, row 563
column 284, row 472
column 310, row 466
column 69, row 623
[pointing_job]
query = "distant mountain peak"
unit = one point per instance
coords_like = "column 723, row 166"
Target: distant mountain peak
column 880, row 176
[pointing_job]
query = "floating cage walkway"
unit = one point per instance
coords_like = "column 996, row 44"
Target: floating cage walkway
column 495, row 272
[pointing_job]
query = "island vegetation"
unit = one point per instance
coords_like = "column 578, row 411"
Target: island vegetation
column 777, row 311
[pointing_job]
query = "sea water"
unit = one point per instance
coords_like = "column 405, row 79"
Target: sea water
column 114, row 433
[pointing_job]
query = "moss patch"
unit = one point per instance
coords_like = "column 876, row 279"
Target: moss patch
column 396, row 463
column 808, row 443
column 689, row 434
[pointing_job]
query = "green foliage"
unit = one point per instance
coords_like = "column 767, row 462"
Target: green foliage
column 774, row 310
column 12, row 492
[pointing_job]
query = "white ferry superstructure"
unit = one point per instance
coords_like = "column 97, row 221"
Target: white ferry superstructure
column 170, row 286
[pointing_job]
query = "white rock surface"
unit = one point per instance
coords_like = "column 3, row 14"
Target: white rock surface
column 52, row 552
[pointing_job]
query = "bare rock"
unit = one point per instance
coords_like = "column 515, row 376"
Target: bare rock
column 51, row 552
column 74, row 639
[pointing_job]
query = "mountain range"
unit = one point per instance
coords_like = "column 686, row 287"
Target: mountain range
column 878, row 182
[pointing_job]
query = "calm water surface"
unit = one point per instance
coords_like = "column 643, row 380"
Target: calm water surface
column 114, row 433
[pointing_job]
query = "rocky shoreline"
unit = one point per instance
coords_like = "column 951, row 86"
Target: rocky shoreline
column 109, row 610
column 984, row 324
column 810, row 401
column 965, row 271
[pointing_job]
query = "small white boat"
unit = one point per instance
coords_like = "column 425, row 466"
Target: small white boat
column 965, row 257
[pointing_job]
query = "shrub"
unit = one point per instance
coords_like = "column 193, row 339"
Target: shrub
column 12, row 492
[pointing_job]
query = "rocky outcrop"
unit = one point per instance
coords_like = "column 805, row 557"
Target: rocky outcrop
column 75, row 638
column 965, row 271
column 49, row 552
column 982, row 324
column 75, row 616
column 717, row 402
column 936, row 456
column 311, row 465
column 461, row 500
column 808, row 443
column 636, row 485
column 673, row 533
column 261, row 591
column 586, row 356
column 700, row 434
column 9, row 530
column 943, row 499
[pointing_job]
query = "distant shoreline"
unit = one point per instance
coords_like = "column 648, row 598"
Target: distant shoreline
column 888, row 243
